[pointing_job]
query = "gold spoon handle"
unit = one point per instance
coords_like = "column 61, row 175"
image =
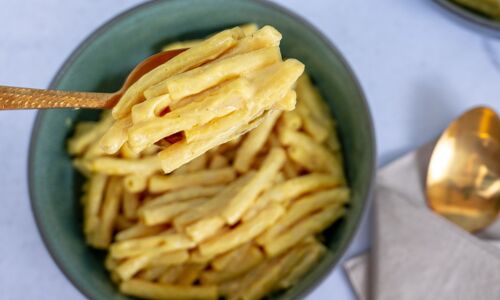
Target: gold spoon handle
column 24, row 98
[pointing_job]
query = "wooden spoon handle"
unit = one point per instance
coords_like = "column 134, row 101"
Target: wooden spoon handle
column 24, row 98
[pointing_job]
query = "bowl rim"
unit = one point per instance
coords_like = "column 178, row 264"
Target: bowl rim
column 130, row 11
column 468, row 18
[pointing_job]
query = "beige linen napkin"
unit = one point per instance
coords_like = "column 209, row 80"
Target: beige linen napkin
column 417, row 254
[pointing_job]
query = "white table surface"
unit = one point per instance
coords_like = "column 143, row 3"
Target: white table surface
column 419, row 70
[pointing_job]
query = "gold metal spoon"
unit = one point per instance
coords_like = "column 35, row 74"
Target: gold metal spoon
column 25, row 98
column 463, row 179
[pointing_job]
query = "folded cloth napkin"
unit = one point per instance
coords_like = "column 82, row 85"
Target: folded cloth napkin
column 417, row 254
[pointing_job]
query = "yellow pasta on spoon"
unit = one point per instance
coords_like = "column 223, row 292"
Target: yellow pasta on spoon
column 209, row 94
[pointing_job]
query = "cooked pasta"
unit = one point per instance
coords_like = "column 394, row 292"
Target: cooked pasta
column 241, row 220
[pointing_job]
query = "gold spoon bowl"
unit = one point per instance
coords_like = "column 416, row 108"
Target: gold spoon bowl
column 463, row 179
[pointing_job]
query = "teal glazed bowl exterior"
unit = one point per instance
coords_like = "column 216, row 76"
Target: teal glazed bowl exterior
column 102, row 62
column 469, row 18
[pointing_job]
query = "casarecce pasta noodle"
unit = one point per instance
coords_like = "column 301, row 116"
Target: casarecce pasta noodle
column 239, row 219
column 212, row 92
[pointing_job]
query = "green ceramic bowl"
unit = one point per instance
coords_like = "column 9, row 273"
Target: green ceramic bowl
column 470, row 18
column 101, row 63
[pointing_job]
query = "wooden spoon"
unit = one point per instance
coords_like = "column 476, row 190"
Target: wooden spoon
column 26, row 98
